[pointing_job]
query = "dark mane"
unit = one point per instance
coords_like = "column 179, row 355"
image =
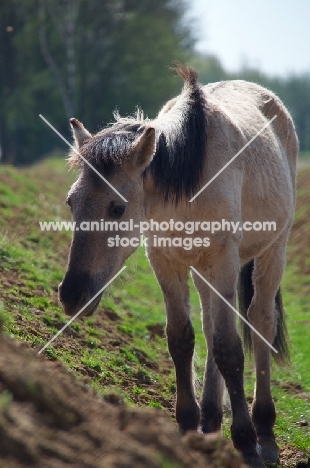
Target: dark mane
column 111, row 146
column 178, row 162
column 181, row 130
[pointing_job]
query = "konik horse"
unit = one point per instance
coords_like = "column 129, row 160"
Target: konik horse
column 159, row 166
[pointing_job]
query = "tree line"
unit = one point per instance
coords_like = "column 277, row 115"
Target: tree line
column 294, row 90
column 85, row 58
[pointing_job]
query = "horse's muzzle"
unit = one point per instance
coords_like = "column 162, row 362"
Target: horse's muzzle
column 75, row 293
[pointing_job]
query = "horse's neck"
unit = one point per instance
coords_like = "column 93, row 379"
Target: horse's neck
column 170, row 119
column 154, row 206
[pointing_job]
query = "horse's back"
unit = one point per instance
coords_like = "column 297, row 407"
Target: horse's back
column 264, row 173
column 244, row 102
column 241, row 109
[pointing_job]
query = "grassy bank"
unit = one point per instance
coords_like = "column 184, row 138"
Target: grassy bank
column 121, row 351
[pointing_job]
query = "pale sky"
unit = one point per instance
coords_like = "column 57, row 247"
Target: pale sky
column 272, row 35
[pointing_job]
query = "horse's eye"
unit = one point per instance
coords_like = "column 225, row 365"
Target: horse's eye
column 115, row 210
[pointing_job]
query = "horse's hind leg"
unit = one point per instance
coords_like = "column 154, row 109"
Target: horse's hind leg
column 213, row 386
column 173, row 280
column 267, row 274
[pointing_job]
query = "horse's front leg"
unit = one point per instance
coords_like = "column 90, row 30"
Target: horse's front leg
column 228, row 353
column 173, row 279
column 213, row 386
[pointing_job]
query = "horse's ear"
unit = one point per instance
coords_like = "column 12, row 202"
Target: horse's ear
column 143, row 148
column 79, row 132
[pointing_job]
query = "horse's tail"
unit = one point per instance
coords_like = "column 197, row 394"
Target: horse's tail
column 245, row 294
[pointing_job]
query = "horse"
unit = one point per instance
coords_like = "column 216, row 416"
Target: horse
column 182, row 165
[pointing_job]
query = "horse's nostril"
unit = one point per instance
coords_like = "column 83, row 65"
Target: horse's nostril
column 75, row 291
column 83, row 300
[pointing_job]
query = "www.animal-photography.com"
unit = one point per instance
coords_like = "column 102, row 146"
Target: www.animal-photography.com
column 154, row 234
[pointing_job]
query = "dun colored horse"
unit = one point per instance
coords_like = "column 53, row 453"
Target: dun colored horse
column 158, row 166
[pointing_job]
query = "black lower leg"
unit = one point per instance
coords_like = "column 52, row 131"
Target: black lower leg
column 181, row 347
column 263, row 417
column 211, row 417
column 229, row 358
column 211, row 402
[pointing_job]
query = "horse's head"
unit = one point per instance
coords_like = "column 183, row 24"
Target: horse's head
column 120, row 154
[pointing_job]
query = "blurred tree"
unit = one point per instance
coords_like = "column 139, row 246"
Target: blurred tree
column 295, row 92
column 125, row 56
column 8, row 79
column 26, row 84
column 210, row 68
column 63, row 16
column 83, row 58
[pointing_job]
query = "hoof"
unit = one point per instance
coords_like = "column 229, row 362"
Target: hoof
column 184, row 429
column 253, row 462
column 269, row 452
column 188, row 417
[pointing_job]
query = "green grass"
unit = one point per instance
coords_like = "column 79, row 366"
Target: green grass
column 120, row 355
